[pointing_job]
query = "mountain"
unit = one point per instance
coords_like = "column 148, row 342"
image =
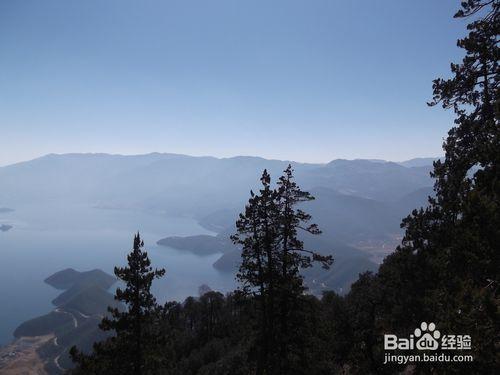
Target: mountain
column 384, row 181
column 87, row 298
column 414, row 200
column 190, row 185
column 419, row 162
column 344, row 217
column 91, row 300
column 351, row 218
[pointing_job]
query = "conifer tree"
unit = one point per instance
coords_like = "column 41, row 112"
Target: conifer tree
column 449, row 257
column 130, row 350
column 272, row 256
column 257, row 233
column 292, row 257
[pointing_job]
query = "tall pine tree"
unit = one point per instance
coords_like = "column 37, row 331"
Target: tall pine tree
column 258, row 272
column 447, row 269
column 131, row 349
column 272, row 257
column 293, row 257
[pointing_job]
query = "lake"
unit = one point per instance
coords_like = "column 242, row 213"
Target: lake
column 50, row 237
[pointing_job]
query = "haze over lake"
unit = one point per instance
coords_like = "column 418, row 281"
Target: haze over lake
column 47, row 238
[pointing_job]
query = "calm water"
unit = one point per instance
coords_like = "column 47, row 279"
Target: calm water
column 47, row 239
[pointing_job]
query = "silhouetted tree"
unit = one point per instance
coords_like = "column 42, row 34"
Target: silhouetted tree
column 452, row 245
column 293, row 257
column 258, row 272
column 131, row 350
column 272, row 257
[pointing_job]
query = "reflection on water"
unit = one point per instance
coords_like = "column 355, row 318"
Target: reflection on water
column 46, row 239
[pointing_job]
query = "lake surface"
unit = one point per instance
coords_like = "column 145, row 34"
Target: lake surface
column 48, row 238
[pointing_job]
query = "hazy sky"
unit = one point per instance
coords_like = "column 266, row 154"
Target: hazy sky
column 303, row 80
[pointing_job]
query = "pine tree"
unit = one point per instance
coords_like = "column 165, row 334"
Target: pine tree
column 272, row 256
column 451, row 247
column 259, row 267
column 131, row 349
column 293, row 257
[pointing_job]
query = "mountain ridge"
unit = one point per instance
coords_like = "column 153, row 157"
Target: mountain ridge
column 418, row 161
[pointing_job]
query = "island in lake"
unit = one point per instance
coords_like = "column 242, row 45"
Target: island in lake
column 5, row 227
column 200, row 244
column 43, row 343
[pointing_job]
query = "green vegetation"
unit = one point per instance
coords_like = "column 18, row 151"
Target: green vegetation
column 91, row 300
column 68, row 278
column 76, row 319
column 43, row 325
column 86, row 294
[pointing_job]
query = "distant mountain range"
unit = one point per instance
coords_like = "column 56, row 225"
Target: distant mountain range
column 359, row 203
column 419, row 162
column 196, row 185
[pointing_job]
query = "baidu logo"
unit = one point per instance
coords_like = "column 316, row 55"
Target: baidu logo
column 427, row 337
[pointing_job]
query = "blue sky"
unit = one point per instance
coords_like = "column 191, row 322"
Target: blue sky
column 302, row 80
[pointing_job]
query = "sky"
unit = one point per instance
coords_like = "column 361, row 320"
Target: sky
column 310, row 80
